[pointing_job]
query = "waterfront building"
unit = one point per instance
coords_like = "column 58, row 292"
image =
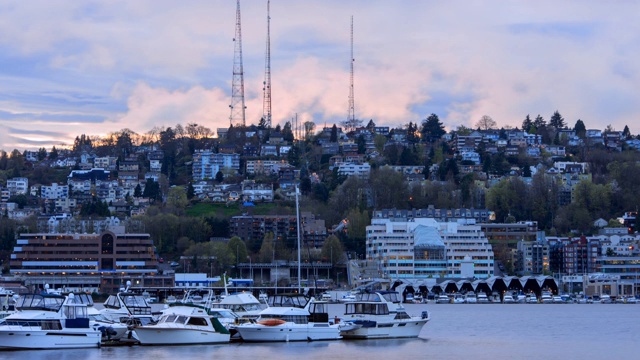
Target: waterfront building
column 533, row 258
column 253, row 228
column 86, row 262
column 442, row 215
column 424, row 247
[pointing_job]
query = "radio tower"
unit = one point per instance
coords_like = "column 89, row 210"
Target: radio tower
column 266, row 103
column 351, row 119
column 237, row 116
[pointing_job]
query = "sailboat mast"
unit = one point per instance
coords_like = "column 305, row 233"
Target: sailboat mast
column 298, row 226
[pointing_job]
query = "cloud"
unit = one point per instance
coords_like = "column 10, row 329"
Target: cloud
column 97, row 67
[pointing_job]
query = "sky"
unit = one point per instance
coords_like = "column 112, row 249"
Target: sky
column 71, row 67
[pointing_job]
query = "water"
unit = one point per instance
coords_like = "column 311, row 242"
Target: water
column 456, row 331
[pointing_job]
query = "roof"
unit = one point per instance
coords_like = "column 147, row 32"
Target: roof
column 427, row 236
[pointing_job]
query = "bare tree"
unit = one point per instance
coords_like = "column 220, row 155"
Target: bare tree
column 486, row 123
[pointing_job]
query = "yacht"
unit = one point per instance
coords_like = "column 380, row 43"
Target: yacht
column 508, row 299
column 417, row 298
column 443, row 299
column 471, row 298
column 482, row 298
column 285, row 320
column 183, row 325
column 531, row 299
column 48, row 321
column 128, row 307
column 546, row 298
column 110, row 330
column 458, row 299
column 244, row 304
column 605, row 299
column 381, row 315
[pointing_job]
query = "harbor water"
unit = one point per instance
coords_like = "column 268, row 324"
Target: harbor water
column 456, row 331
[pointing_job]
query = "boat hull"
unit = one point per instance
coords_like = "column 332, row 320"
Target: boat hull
column 173, row 336
column 12, row 338
column 288, row 332
column 384, row 330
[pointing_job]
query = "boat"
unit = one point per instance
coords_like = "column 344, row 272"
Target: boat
column 546, row 298
column 443, row 299
column 381, row 315
column 417, row 298
column 326, row 297
column 110, row 330
column 285, row 320
column 470, row 298
column 508, row 299
column 128, row 307
column 183, row 324
column 458, row 299
column 263, row 298
column 244, row 304
column 531, row 299
column 482, row 298
column 48, row 321
column 605, row 299
column 409, row 298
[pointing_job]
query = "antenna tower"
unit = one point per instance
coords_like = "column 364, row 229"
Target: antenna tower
column 352, row 116
column 237, row 107
column 266, row 103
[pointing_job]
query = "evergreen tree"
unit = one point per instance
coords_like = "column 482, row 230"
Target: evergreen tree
column 432, row 128
column 334, row 134
column 53, row 155
column 287, row 133
column 557, row 120
column 626, row 133
column 190, row 192
column 527, row 124
column 580, row 129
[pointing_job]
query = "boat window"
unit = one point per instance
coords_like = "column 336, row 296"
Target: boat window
column 197, row 321
column 112, row 302
column 402, row 315
column 51, row 325
column 170, row 318
column 181, row 319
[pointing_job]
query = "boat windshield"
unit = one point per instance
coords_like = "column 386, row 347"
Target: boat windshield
column 223, row 314
column 367, row 309
column 40, row 302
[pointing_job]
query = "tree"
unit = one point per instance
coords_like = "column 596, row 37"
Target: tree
column 557, row 120
column 190, row 192
column 219, row 177
column 432, row 128
column 287, row 133
column 53, row 155
column 539, row 122
column 527, row 124
column 332, row 250
column 137, row 192
column 626, row 133
column 177, row 197
column 486, row 123
column 580, row 129
column 239, row 249
column 334, row 134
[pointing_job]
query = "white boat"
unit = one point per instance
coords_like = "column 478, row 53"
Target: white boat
column 381, row 315
column 443, row 299
column 546, row 298
column 605, row 299
column 47, row 321
column 111, row 330
column 244, row 304
column 482, row 298
column 458, row 299
column 183, row 325
column 129, row 308
column 470, row 298
column 508, row 299
column 417, row 298
column 263, row 298
column 531, row 299
column 291, row 322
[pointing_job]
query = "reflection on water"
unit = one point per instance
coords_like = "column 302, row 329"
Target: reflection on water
column 456, row 331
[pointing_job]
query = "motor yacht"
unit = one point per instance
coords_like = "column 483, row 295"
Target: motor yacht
column 285, row 320
column 482, row 298
column 381, row 315
column 546, row 298
column 111, row 331
column 244, row 304
column 443, row 299
column 183, row 324
column 508, row 299
column 48, row 321
column 470, row 298
column 531, row 299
